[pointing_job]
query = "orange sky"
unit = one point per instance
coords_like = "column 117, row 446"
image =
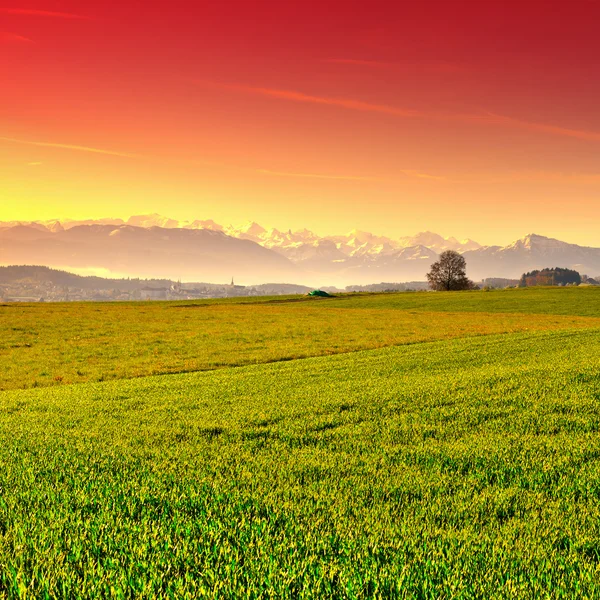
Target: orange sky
column 469, row 118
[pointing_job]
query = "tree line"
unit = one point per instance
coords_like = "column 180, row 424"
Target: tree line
column 554, row 276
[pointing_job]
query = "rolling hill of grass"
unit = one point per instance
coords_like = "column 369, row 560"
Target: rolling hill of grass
column 458, row 466
column 54, row 344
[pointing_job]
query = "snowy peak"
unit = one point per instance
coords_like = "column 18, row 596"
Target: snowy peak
column 250, row 231
column 439, row 243
column 304, row 235
column 208, row 224
column 252, row 228
column 355, row 244
column 415, row 253
column 424, row 238
column 539, row 243
column 469, row 244
column 361, row 237
column 54, row 227
column 153, row 220
column 356, row 257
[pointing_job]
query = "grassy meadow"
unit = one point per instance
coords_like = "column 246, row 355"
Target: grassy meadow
column 55, row 344
column 410, row 445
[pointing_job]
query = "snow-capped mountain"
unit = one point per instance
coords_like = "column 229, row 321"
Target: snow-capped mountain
column 438, row 243
column 155, row 220
column 148, row 221
column 304, row 245
column 533, row 252
column 250, row 231
column 299, row 245
column 208, row 224
column 202, row 246
column 189, row 254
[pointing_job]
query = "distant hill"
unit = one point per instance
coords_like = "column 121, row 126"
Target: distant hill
column 39, row 274
column 28, row 274
column 146, row 252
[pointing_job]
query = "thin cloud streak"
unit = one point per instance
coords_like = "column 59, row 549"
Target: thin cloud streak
column 558, row 177
column 32, row 12
column 175, row 161
column 7, row 38
column 68, row 147
column 431, row 66
column 316, row 176
column 358, row 62
column 564, row 178
column 358, row 105
column 418, row 175
column 543, row 127
column 347, row 103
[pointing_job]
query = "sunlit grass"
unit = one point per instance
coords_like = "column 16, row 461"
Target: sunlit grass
column 56, row 344
column 437, row 446
column 458, row 468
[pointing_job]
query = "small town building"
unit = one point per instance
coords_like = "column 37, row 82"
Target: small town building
column 150, row 293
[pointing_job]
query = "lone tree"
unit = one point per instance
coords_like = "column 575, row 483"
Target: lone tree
column 448, row 273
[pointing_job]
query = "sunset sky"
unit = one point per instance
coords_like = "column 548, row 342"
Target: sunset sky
column 469, row 118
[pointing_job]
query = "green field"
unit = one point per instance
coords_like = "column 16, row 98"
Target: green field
column 55, row 344
column 410, row 445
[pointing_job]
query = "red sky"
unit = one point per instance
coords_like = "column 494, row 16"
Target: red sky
column 473, row 119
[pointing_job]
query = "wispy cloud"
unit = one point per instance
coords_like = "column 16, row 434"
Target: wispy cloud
column 315, row 175
column 486, row 117
column 347, row 103
column 358, row 62
column 581, row 134
column 574, row 178
column 191, row 162
column 528, row 176
column 419, row 175
column 13, row 38
column 363, row 178
column 32, row 12
column 430, row 66
column 68, row 147
column 558, row 177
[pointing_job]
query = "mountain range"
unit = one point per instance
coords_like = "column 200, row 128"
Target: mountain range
column 157, row 246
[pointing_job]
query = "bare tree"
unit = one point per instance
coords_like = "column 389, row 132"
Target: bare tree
column 449, row 273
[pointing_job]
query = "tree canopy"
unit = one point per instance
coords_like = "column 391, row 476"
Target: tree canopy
column 554, row 276
column 449, row 273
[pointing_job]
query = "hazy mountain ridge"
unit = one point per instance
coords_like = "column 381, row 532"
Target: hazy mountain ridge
column 156, row 246
column 534, row 252
column 354, row 243
column 201, row 254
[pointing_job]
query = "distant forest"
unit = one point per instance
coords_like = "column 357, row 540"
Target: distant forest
column 39, row 274
column 32, row 274
column 555, row 276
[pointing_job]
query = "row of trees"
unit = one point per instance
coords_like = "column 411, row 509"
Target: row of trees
column 556, row 276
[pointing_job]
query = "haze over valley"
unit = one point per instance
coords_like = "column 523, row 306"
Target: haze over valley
column 153, row 246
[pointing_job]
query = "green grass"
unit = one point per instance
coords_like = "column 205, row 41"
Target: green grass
column 460, row 467
column 583, row 301
column 49, row 344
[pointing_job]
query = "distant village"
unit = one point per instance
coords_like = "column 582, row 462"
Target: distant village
column 49, row 292
column 46, row 291
column 41, row 284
